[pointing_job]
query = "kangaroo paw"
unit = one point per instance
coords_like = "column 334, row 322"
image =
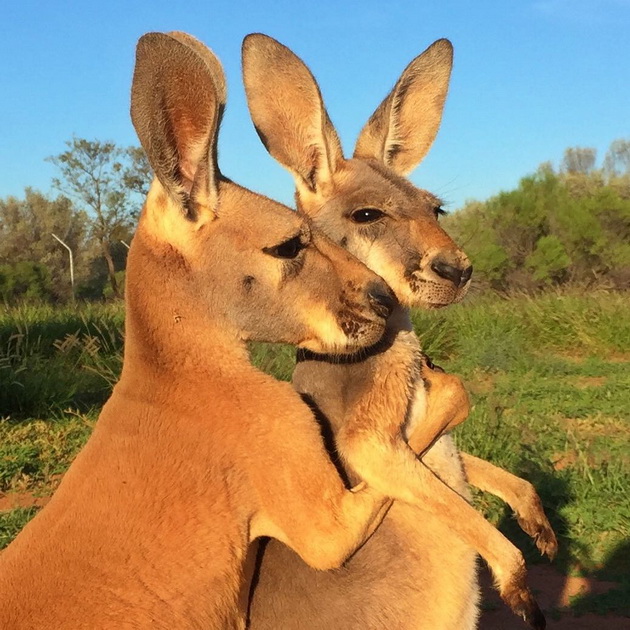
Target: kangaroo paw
column 539, row 528
column 522, row 603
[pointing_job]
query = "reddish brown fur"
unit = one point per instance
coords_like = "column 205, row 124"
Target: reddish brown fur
column 196, row 453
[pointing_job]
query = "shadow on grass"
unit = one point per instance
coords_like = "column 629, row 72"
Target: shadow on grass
column 601, row 599
column 616, row 568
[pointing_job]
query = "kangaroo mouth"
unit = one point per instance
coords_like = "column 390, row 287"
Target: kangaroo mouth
column 349, row 331
column 361, row 331
column 431, row 294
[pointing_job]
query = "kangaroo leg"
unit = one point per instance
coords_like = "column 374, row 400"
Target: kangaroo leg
column 388, row 466
column 519, row 494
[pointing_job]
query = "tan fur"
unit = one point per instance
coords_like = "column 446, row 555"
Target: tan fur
column 405, row 246
column 196, row 453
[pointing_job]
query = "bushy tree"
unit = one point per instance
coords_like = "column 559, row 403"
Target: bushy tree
column 572, row 225
column 26, row 228
column 579, row 160
column 106, row 182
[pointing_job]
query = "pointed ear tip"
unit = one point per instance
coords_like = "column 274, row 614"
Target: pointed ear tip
column 444, row 46
column 257, row 39
column 152, row 37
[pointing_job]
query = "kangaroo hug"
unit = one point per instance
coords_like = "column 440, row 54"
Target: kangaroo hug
column 198, row 457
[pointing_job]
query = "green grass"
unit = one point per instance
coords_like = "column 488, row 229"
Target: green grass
column 51, row 358
column 12, row 522
column 549, row 378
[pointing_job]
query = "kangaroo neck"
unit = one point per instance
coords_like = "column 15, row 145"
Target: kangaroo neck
column 165, row 328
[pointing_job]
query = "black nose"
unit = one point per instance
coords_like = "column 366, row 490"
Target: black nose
column 458, row 276
column 466, row 275
column 381, row 299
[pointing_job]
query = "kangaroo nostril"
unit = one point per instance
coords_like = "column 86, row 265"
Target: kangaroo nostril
column 446, row 271
column 466, row 275
column 382, row 300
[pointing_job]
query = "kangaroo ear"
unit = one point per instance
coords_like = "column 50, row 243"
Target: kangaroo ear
column 177, row 99
column 401, row 131
column 288, row 112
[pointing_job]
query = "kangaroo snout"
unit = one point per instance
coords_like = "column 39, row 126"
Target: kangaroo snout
column 453, row 270
column 381, row 299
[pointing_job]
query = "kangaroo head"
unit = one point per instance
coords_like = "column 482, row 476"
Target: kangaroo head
column 365, row 203
column 218, row 254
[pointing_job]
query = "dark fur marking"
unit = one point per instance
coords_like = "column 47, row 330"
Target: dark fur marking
column 412, row 265
column 344, row 241
column 248, row 282
column 311, row 179
column 328, row 437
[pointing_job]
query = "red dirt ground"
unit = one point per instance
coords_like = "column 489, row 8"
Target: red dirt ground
column 552, row 590
column 20, row 500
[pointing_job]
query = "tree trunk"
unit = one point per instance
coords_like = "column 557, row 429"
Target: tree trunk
column 110, row 267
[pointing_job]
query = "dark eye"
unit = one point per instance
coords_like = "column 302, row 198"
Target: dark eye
column 289, row 249
column 439, row 212
column 367, row 215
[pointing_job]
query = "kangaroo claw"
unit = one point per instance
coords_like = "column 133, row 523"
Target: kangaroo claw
column 522, row 603
column 542, row 533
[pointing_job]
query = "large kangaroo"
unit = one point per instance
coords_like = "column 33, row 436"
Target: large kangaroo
column 197, row 453
column 418, row 570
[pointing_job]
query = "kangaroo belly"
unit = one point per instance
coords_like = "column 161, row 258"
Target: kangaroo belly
column 412, row 574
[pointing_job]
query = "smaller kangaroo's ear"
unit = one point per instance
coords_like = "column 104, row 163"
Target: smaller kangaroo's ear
column 177, row 99
column 288, row 112
column 401, row 131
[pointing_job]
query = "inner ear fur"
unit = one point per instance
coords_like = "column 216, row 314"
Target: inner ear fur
column 177, row 98
column 288, row 112
column 402, row 129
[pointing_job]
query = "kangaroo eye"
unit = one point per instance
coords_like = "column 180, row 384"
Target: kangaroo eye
column 439, row 212
column 289, row 249
column 367, row 215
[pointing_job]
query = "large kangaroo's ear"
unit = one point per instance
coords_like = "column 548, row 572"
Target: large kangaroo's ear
column 288, row 112
column 177, row 99
column 403, row 128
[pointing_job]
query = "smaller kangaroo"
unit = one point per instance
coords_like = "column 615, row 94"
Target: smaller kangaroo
column 197, row 453
column 366, row 205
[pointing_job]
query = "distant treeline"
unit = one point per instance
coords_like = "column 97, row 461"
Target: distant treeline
column 565, row 225
column 101, row 188
column 569, row 224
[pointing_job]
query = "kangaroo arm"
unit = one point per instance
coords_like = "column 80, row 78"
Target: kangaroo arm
column 390, row 467
column 519, row 494
column 301, row 499
column 371, row 443
column 447, row 405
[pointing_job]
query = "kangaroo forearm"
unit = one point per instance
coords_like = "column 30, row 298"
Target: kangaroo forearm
column 490, row 478
column 326, row 543
column 396, row 472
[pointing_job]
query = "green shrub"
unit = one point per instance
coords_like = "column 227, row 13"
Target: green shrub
column 25, row 280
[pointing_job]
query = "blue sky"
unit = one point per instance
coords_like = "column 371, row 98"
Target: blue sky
column 530, row 79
